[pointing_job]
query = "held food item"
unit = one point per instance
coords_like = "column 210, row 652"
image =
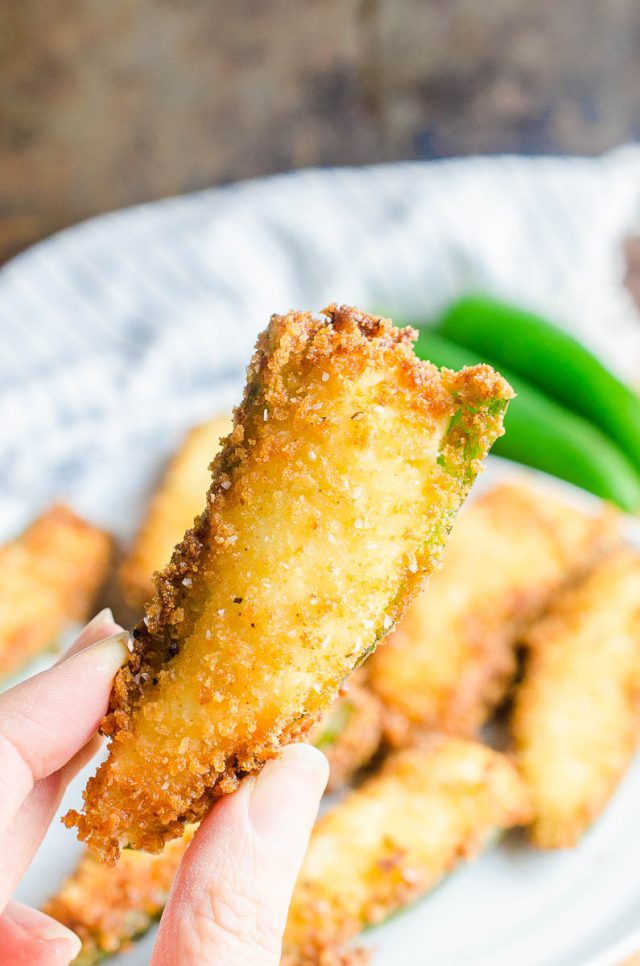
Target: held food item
column 330, row 503
column 173, row 508
column 451, row 659
column 350, row 733
column 50, row 576
column 533, row 348
column 109, row 907
column 395, row 837
column 545, row 435
column 576, row 720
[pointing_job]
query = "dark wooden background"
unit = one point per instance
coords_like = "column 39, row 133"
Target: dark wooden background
column 104, row 103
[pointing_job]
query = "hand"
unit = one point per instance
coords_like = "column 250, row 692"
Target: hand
column 229, row 901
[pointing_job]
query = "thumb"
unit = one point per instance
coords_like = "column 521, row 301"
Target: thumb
column 230, row 898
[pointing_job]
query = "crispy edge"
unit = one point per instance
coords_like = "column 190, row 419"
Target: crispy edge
column 135, row 577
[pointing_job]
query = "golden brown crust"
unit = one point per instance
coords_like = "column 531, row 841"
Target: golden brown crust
column 172, row 510
column 395, row 837
column 450, row 661
column 343, row 435
column 576, row 718
column 50, row 577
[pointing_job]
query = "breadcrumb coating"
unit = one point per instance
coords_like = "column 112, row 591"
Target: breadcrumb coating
column 172, row 510
column 330, row 503
column 451, row 660
column 576, row 719
column 395, row 837
column 50, row 577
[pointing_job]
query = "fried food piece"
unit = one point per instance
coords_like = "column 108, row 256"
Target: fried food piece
column 173, row 509
column 362, row 864
column 330, row 503
column 576, row 719
column 50, row 576
column 350, row 732
column 109, row 907
column 396, row 836
column 450, row 661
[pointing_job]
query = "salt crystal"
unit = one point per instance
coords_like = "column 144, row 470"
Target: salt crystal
column 207, row 634
column 359, row 524
column 331, row 538
column 187, row 581
column 221, row 612
column 312, row 455
column 226, row 484
column 368, row 624
column 265, row 415
column 387, row 622
column 325, row 377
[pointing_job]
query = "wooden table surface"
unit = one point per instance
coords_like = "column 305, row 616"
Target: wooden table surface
column 105, row 103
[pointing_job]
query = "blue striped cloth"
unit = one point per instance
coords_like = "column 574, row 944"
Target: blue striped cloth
column 121, row 332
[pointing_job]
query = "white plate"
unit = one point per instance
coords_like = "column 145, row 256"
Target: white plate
column 513, row 906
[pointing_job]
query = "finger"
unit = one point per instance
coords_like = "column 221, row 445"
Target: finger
column 47, row 719
column 29, row 938
column 27, row 830
column 230, row 898
column 101, row 626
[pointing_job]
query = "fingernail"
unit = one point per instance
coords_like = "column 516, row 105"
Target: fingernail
column 96, row 629
column 105, row 616
column 106, row 656
column 58, row 933
column 42, row 927
column 298, row 777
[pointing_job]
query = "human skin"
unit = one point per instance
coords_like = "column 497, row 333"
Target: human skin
column 230, row 898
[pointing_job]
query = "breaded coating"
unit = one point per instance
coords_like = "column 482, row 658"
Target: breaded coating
column 330, row 503
column 50, row 576
column 108, row 907
column 172, row 510
column 449, row 663
column 396, row 836
column 576, row 719
column 350, row 733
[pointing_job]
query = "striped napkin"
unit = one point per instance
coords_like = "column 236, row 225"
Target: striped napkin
column 119, row 333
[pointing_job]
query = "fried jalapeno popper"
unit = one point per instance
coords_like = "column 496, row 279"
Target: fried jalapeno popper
column 450, row 661
column 329, row 505
column 50, row 576
column 396, row 836
column 576, row 720
column 173, row 509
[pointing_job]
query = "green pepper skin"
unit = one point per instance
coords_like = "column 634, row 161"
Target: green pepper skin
column 550, row 359
column 544, row 435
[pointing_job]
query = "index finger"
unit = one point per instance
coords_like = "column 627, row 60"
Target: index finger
column 45, row 720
